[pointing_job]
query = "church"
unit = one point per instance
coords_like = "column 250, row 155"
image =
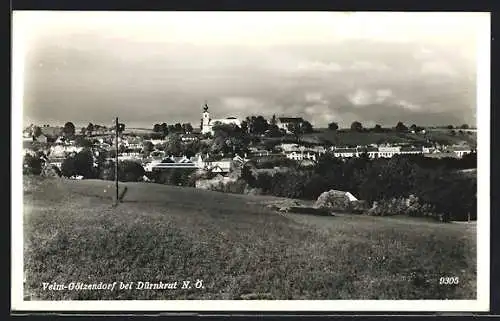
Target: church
column 207, row 123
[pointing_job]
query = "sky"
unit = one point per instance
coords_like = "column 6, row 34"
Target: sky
column 154, row 67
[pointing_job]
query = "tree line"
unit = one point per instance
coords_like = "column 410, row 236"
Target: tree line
column 357, row 126
column 444, row 192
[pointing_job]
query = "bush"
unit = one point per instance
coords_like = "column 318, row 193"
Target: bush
column 410, row 206
column 80, row 164
column 233, row 187
column 51, row 171
column 128, row 171
column 32, row 165
column 335, row 200
column 175, row 176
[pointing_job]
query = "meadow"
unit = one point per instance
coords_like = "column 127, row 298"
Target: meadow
column 237, row 246
column 352, row 138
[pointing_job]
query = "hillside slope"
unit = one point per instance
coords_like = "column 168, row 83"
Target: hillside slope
column 235, row 245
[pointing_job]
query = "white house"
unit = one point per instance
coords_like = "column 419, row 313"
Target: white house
column 345, row 152
column 388, row 151
column 461, row 151
column 284, row 122
column 207, row 123
column 301, row 155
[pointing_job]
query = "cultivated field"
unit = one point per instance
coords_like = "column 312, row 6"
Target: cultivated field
column 351, row 138
column 240, row 249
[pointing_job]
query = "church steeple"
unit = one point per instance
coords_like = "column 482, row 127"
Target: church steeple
column 205, row 120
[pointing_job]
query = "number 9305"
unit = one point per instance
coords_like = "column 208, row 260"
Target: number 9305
column 448, row 280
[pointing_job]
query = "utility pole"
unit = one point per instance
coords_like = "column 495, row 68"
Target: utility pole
column 116, row 159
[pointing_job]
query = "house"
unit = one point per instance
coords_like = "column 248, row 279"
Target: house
column 41, row 139
column 371, row 151
column 157, row 142
column 345, row 152
column 284, row 122
column 174, row 162
column 388, row 151
column 301, row 155
column 189, row 138
column 288, row 147
column 460, row 151
column 410, row 150
column 220, row 166
column 56, row 161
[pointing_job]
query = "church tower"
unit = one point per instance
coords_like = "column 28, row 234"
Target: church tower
column 205, row 120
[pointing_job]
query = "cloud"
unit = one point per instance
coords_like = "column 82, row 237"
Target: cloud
column 437, row 68
column 362, row 97
column 366, row 66
column 319, row 66
column 241, row 103
column 383, row 94
column 407, row 105
column 315, row 97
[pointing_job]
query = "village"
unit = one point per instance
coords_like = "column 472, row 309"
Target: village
column 153, row 153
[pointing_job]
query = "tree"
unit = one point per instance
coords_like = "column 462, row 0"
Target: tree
column 296, row 129
column 464, row 126
column 69, row 129
column 90, row 128
column 121, row 128
column 178, row 128
column 130, row 171
column 164, row 128
column 37, row 131
column 449, row 127
column 400, row 127
column 174, row 146
column 274, row 131
column 259, row 125
column 414, row 127
column 333, row 126
column 80, row 164
column 83, row 142
column 273, row 120
column 356, row 126
column 190, row 149
column 187, row 127
column 377, row 128
column 307, row 127
column 148, row 147
column 157, row 128
column 245, row 127
column 32, row 164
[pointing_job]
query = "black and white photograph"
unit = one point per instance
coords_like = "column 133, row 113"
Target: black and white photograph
column 204, row 161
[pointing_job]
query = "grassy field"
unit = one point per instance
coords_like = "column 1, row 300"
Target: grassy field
column 238, row 247
column 347, row 137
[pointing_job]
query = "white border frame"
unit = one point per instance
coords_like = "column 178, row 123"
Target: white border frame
column 483, row 224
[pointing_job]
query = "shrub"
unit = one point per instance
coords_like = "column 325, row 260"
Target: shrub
column 79, row 164
column 175, row 176
column 130, row 171
column 233, row 187
column 51, row 171
column 335, row 200
column 32, row 165
column 411, row 206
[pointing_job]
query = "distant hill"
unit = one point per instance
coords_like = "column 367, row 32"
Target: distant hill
column 347, row 137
